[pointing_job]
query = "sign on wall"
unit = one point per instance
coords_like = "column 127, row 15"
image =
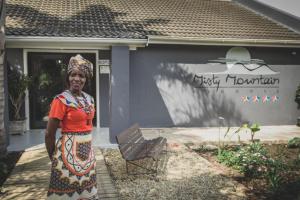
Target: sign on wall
column 242, row 72
column 104, row 65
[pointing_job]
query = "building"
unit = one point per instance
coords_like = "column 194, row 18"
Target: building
column 160, row 63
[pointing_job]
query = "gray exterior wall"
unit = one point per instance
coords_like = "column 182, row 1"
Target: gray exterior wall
column 119, row 91
column 163, row 94
column 104, row 91
column 154, row 87
column 104, row 100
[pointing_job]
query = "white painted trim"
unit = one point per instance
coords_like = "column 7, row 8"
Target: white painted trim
column 106, row 43
column 98, row 91
column 70, row 43
column 27, row 92
column 75, row 39
column 223, row 42
column 25, row 63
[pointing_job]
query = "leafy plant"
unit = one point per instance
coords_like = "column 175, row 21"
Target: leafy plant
column 18, row 82
column 221, row 144
column 254, row 128
column 253, row 160
column 228, row 158
column 294, row 143
column 273, row 173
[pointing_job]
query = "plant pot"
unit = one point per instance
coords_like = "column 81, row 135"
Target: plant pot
column 17, row 127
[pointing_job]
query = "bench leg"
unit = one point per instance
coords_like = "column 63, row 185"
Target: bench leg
column 166, row 149
column 127, row 167
column 150, row 171
column 156, row 165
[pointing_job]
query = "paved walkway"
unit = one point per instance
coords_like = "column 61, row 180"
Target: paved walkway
column 267, row 134
column 30, row 177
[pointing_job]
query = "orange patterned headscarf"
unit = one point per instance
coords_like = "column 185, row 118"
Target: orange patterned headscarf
column 78, row 62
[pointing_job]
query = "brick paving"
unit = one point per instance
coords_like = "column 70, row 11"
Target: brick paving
column 30, row 177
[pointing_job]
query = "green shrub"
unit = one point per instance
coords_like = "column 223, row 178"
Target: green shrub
column 227, row 157
column 294, row 143
column 273, row 175
column 253, row 161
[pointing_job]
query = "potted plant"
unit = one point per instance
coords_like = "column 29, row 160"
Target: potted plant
column 297, row 99
column 18, row 83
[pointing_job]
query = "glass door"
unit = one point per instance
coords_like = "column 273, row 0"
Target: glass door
column 48, row 71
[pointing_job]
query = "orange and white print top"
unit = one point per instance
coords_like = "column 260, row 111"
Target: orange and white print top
column 73, row 118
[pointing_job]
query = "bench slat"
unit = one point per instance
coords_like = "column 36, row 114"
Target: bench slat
column 126, row 149
column 150, row 149
column 133, row 146
column 128, row 134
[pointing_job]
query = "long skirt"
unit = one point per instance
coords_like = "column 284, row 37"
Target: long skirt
column 73, row 173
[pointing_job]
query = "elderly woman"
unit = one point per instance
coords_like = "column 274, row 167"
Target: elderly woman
column 73, row 174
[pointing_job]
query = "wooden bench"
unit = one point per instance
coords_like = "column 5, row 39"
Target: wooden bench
column 134, row 147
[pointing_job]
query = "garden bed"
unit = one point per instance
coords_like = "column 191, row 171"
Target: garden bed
column 182, row 175
column 259, row 187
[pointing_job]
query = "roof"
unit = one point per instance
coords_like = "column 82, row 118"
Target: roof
column 138, row 19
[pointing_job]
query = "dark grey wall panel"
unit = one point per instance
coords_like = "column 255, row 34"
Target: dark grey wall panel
column 104, row 100
column 15, row 57
column 119, row 104
column 162, row 92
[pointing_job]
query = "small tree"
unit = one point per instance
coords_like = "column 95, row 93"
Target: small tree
column 18, row 82
column 253, row 129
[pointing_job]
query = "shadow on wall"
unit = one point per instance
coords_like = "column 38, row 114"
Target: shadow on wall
column 94, row 21
column 191, row 106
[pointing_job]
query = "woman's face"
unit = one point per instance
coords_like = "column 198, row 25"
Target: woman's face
column 77, row 80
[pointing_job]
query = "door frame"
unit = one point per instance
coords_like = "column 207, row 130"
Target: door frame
column 25, row 62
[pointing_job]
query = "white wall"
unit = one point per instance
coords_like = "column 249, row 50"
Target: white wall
column 289, row 6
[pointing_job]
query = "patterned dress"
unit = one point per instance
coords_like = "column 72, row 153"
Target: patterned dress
column 73, row 174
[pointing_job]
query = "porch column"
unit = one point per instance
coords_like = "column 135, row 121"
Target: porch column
column 119, row 91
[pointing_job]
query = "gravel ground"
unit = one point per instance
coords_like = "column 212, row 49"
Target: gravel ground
column 182, row 175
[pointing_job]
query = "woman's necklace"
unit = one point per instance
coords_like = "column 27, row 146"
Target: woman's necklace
column 86, row 107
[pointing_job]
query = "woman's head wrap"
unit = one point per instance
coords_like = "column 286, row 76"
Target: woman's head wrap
column 78, row 62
